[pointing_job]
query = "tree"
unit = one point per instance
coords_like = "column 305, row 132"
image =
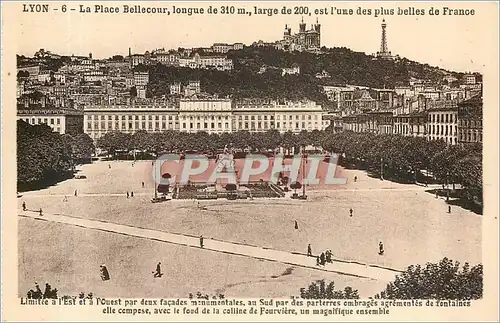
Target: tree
column 231, row 188
column 22, row 74
column 320, row 290
column 133, row 91
column 82, row 146
column 469, row 172
column 117, row 58
column 271, row 139
column 164, row 188
column 295, row 186
column 199, row 295
column 141, row 140
column 443, row 280
column 114, row 141
column 42, row 155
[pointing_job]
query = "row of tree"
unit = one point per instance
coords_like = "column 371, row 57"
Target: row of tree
column 45, row 156
column 406, row 157
column 170, row 141
column 445, row 280
column 394, row 155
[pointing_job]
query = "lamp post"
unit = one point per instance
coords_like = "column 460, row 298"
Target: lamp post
column 381, row 169
column 155, row 183
column 304, row 161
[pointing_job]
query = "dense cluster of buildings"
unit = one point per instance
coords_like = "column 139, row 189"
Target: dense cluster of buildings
column 204, row 58
column 451, row 114
column 94, row 96
column 99, row 96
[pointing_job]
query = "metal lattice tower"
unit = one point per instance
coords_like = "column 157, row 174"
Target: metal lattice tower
column 383, row 42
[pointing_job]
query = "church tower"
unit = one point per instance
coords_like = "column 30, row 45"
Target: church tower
column 302, row 26
column 317, row 28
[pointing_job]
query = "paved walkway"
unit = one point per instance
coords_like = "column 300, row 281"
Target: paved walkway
column 314, row 190
column 338, row 266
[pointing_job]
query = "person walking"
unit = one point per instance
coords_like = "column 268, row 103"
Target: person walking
column 132, row 194
column 309, row 250
column 449, row 208
column 109, row 166
column 201, row 241
column 65, row 198
column 47, row 292
column 355, row 179
column 322, row 258
column 127, row 194
column 24, row 206
column 38, row 291
column 296, row 225
column 104, row 273
column 380, row 248
column 76, row 192
column 158, row 273
column 318, row 261
column 350, row 212
column 41, row 212
column 142, row 184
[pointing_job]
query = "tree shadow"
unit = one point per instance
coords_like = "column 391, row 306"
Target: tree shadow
column 457, row 199
column 45, row 183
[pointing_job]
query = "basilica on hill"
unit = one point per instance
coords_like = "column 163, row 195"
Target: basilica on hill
column 304, row 40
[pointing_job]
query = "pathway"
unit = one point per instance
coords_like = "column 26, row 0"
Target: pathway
column 300, row 260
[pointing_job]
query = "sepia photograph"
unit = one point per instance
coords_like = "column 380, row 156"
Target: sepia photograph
column 223, row 151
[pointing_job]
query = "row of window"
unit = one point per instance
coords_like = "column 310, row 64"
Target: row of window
column 470, row 136
column 470, row 123
column 150, row 125
column 442, row 118
column 278, row 117
column 50, row 121
column 441, row 130
column 54, row 124
column 270, row 125
column 451, row 140
column 225, row 117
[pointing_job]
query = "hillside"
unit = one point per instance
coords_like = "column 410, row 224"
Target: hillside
column 343, row 65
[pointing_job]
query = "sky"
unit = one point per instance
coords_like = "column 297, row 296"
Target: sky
column 459, row 43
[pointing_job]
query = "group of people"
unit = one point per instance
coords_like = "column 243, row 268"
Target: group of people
column 37, row 293
column 130, row 195
column 322, row 259
column 325, row 257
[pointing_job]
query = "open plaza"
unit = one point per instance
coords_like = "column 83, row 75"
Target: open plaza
column 252, row 246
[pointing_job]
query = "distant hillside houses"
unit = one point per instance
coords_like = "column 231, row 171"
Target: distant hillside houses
column 184, row 58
